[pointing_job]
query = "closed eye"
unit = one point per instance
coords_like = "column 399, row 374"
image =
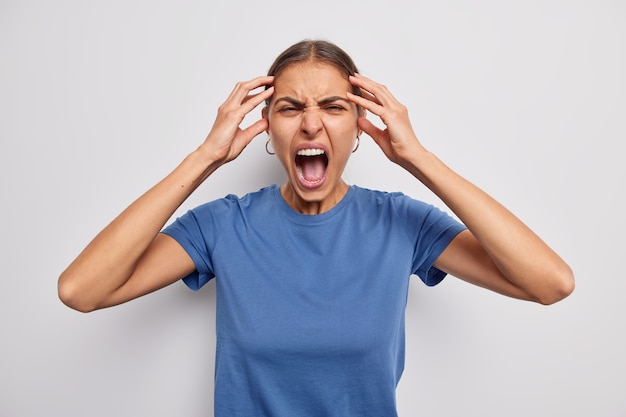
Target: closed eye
column 289, row 110
column 334, row 104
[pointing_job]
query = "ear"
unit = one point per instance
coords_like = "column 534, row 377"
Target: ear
column 264, row 116
column 362, row 113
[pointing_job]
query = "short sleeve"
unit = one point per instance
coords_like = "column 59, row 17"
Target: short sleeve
column 196, row 231
column 433, row 230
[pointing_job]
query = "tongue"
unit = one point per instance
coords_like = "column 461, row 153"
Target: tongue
column 313, row 168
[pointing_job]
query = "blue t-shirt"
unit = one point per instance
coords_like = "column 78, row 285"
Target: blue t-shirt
column 310, row 308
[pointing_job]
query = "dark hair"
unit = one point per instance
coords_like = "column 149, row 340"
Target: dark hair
column 315, row 50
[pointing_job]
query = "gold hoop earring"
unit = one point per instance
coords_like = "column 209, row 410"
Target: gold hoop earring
column 267, row 147
column 358, row 142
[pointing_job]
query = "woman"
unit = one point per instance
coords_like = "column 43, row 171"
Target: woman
column 312, row 276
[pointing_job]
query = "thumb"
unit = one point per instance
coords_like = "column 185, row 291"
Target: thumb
column 369, row 128
column 379, row 135
column 253, row 130
column 257, row 127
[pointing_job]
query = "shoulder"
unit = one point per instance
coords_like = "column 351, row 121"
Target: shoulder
column 233, row 202
column 376, row 196
column 401, row 209
column 394, row 200
column 230, row 209
column 264, row 195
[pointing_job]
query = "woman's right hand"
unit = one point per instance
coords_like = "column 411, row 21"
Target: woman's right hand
column 129, row 257
column 227, row 139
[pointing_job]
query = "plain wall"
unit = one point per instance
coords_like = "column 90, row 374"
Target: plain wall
column 100, row 100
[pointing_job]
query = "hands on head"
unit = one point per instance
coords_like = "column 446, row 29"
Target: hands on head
column 140, row 260
column 227, row 139
column 398, row 140
column 504, row 270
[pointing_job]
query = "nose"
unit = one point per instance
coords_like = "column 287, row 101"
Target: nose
column 311, row 122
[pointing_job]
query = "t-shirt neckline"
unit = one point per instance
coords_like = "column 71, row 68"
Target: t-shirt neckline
column 301, row 218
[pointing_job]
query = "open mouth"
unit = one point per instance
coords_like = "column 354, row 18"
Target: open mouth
column 311, row 166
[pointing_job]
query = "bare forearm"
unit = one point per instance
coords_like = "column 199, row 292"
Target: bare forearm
column 519, row 254
column 500, row 253
column 109, row 260
column 128, row 258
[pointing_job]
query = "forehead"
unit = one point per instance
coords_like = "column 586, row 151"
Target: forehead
column 311, row 79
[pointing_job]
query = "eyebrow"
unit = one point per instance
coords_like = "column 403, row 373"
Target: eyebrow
column 322, row 102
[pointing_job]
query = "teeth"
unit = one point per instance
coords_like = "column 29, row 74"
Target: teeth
column 310, row 152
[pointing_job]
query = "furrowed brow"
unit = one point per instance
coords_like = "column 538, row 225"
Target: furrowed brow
column 291, row 101
column 332, row 99
column 323, row 102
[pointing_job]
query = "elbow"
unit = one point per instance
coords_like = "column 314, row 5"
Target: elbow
column 71, row 296
column 562, row 284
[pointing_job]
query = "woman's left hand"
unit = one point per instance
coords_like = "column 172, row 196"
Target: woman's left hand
column 498, row 251
column 398, row 140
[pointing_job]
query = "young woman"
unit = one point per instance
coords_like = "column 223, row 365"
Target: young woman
column 312, row 275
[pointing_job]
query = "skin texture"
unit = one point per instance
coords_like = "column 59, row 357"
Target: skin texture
column 497, row 251
column 130, row 258
column 310, row 110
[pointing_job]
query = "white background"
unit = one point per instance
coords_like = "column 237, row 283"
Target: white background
column 100, row 100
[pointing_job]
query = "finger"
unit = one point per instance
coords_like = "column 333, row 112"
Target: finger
column 381, row 92
column 257, row 82
column 257, row 127
column 241, row 102
column 253, row 100
column 254, row 130
column 242, row 89
column 370, row 129
column 378, row 135
column 371, row 105
column 371, row 97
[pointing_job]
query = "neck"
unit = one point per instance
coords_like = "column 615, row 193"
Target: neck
column 312, row 204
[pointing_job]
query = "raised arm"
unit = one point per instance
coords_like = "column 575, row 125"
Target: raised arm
column 130, row 258
column 498, row 251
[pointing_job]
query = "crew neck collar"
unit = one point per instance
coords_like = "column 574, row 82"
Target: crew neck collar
column 297, row 217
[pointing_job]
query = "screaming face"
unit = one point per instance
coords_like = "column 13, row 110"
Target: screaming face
column 313, row 128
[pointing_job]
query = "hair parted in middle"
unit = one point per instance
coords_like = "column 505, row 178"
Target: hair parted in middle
column 315, row 50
